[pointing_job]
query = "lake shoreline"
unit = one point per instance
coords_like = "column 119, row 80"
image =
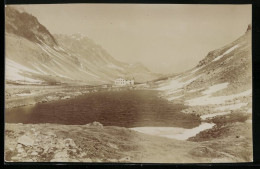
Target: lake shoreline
column 141, row 107
column 182, row 135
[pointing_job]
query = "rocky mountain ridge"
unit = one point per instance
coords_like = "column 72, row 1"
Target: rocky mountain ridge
column 27, row 26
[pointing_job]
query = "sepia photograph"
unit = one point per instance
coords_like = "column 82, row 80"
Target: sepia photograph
column 128, row 83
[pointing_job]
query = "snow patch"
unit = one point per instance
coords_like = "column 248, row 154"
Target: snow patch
column 174, row 97
column 61, row 49
column 114, row 66
column 63, row 76
column 205, row 100
column 91, row 74
column 78, row 36
column 11, row 63
column 195, row 70
column 228, row 51
column 50, row 51
column 14, row 70
column 204, row 117
column 53, row 52
column 195, row 90
column 24, row 94
column 47, row 68
column 215, row 88
column 173, row 91
column 57, row 63
column 39, row 69
column 47, row 52
column 56, row 48
column 56, row 73
column 174, row 132
column 231, row 107
column 177, row 83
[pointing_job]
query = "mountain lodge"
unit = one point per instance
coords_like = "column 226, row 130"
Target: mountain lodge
column 124, row 82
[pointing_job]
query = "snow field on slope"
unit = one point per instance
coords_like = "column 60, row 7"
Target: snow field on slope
column 207, row 99
column 177, row 83
column 215, row 88
column 13, row 72
column 231, row 107
column 204, row 117
column 114, row 67
column 228, row 51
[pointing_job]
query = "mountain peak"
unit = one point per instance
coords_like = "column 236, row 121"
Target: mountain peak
column 78, row 36
column 27, row 26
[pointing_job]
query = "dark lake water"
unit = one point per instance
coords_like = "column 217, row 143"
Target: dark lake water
column 134, row 108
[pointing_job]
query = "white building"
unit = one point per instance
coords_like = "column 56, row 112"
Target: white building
column 124, row 82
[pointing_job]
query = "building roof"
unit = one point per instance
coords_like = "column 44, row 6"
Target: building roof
column 125, row 78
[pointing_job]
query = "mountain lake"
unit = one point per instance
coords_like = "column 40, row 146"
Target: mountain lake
column 127, row 108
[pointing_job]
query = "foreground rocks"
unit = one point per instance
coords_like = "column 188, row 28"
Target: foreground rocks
column 97, row 143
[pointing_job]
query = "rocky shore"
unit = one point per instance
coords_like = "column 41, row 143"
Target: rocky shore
column 23, row 95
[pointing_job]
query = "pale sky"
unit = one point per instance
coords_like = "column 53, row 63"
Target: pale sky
column 167, row 38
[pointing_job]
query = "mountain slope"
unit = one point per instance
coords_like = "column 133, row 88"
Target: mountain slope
column 219, row 91
column 220, row 85
column 225, row 71
column 94, row 58
column 34, row 55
